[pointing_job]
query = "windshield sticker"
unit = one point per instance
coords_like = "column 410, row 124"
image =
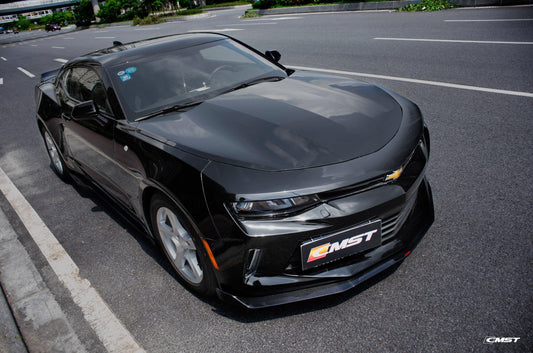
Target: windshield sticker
column 131, row 70
column 125, row 77
column 120, row 73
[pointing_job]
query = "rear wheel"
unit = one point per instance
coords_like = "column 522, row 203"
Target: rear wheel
column 58, row 165
column 182, row 246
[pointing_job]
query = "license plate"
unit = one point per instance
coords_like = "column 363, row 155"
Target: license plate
column 338, row 245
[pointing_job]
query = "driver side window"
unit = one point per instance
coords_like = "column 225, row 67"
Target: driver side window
column 83, row 84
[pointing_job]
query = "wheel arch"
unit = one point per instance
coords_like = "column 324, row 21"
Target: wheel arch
column 153, row 188
column 148, row 194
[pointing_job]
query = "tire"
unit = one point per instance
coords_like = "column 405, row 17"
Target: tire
column 58, row 165
column 182, row 246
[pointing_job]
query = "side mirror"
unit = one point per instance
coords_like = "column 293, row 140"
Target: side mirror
column 273, row 55
column 84, row 110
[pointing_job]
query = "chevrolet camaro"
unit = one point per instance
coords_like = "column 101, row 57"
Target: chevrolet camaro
column 262, row 184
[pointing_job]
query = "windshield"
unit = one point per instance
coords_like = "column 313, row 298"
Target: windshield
column 189, row 75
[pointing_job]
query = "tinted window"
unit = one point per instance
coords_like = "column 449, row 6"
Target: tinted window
column 83, row 84
column 186, row 75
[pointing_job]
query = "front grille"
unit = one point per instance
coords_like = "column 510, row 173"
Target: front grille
column 388, row 227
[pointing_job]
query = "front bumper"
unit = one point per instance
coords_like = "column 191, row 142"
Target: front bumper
column 263, row 287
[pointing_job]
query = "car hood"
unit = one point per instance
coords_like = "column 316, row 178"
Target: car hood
column 300, row 122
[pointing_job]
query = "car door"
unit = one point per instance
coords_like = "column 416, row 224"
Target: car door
column 89, row 125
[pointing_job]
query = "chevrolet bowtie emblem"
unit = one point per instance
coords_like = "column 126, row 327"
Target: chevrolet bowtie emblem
column 394, row 175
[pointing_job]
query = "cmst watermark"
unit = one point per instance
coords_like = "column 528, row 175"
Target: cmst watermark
column 493, row 339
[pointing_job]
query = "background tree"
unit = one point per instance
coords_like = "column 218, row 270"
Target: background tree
column 83, row 13
column 110, row 11
column 22, row 23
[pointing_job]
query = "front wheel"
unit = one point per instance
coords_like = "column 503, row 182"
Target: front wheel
column 182, row 246
column 58, row 165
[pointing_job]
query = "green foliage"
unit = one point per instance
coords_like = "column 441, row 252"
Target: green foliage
column 130, row 5
column 428, row 5
column 188, row 12
column 293, row 2
column 23, row 23
column 156, row 5
column 61, row 17
column 46, row 20
column 58, row 17
column 83, row 13
column 109, row 11
column 250, row 14
column 215, row 3
column 148, row 20
column 264, row 4
column 186, row 3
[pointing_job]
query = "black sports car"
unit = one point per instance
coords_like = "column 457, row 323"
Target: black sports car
column 262, row 184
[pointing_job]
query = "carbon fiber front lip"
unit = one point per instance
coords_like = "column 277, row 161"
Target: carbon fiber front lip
column 308, row 293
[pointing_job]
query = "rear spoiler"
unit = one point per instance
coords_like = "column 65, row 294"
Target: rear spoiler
column 49, row 76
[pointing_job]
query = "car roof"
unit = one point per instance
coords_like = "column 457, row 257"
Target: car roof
column 121, row 52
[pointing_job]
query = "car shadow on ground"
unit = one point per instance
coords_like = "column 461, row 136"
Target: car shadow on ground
column 233, row 311
column 128, row 223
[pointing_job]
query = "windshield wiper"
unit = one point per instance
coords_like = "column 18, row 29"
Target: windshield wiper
column 255, row 81
column 174, row 108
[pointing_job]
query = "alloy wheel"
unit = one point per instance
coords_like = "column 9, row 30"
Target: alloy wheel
column 179, row 246
column 53, row 153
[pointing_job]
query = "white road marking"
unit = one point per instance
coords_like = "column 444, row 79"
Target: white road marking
column 3, row 58
column 26, row 72
column 104, row 37
column 424, row 82
column 62, row 61
column 454, row 41
column 114, row 336
column 494, row 20
column 1, row 81
column 253, row 23
column 274, row 19
column 285, row 18
column 147, row 29
column 58, row 47
column 217, row 30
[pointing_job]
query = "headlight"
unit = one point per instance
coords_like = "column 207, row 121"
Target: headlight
column 271, row 208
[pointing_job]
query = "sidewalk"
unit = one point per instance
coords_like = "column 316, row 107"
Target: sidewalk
column 10, row 338
column 30, row 317
column 11, row 38
column 379, row 6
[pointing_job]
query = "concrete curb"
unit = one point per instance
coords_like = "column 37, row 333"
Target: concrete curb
column 356, row 6
column 226, row 7
column 104, row 25
column 188, row 18
column 380, row 5
column 168, row 19
column 40, row 320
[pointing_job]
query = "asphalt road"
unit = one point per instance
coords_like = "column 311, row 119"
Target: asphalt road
column 470, row 277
